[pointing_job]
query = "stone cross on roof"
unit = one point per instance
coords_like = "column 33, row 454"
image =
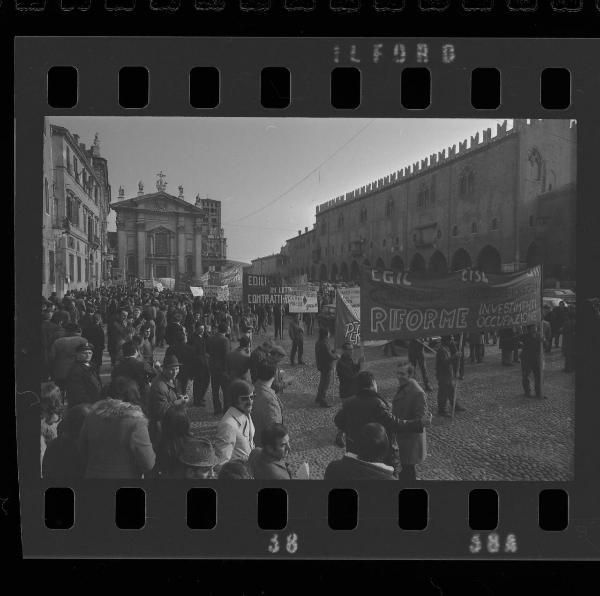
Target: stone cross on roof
column 161, row 185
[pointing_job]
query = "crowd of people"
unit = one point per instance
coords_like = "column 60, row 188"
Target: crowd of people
column 137, row 423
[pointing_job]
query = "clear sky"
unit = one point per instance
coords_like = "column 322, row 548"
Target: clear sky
column 289, row 164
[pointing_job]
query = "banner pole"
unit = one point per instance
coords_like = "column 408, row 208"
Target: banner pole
column 460, row 345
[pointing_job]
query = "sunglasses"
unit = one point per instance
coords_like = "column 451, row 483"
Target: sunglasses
column 247, row 397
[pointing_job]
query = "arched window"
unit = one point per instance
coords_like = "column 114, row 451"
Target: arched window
column 466, row 182
column 494, row 224
column 423, row 197
column 383, row 243
column 474, row 228
column 341, row 220
column 439, row 234
column 455, row 231
column 531, row 221
column 389, row 207
column 363, row 214
column 161, row 243
column 535, row 164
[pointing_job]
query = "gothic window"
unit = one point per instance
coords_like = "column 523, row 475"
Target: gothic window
column 455, row 230
column 531, row 221
column 494, row 224
column 439, row 234
column 363, row 215
column 341, row 220
column 78, row 268
column 161, row 243
column 323, row 229
column 68, row 160
column 76, row 168
column 71, row 268
column 383, row 243
column 423, row 197
column 466, row 182
column 389, row 207
column 473, row 228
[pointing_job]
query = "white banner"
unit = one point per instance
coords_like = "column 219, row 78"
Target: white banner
column 196, row 291
column 221, row 293
column 303, row 301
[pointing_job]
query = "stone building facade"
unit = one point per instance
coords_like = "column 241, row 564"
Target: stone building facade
column 499, row 203
column 214, row 243
column 76, row 196
column 159, row 235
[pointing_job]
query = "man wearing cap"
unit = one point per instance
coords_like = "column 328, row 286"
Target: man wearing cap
column 235, row 432
column 63, row 352
column 197, row 458
column 83, row 384
column 163, row 395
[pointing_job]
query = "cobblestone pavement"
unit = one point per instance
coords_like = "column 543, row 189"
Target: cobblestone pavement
column 501, row 436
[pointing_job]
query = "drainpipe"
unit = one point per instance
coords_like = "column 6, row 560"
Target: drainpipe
column 517, row 197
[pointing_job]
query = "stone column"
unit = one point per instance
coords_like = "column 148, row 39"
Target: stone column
column 141, row 248
column 198, row 248
column 122, row 240
column 181, row 247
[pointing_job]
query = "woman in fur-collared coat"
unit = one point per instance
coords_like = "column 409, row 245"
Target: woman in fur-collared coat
column 409, row 403
column 114, row 440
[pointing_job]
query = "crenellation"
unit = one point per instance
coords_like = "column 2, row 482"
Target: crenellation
column 434, row 160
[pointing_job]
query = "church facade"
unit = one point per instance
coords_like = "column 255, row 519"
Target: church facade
column 159, row 235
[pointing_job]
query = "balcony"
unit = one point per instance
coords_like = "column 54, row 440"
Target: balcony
column 93, row 241
column 62, row 224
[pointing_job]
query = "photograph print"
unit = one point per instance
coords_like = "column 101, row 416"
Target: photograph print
column 308, row 298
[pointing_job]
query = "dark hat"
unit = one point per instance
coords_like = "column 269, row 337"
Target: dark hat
column 348, row 345
column 85, row 347
column 72, row 328
column 237, row 388
column 171, row 361
column 198, row 453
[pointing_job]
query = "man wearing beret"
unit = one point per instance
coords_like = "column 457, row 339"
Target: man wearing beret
column 83, row 384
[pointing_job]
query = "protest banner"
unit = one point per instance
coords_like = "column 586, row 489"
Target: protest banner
column 167, row 282
column 118, row 276
column 401, row 305
column 220, row 293
column 196, row 291
column 235, row 293
column 347, row 322
column 352, row 296
column 265, row 289
column 302, row 300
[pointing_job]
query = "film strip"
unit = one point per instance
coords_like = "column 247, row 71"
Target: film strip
column 523, row 80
